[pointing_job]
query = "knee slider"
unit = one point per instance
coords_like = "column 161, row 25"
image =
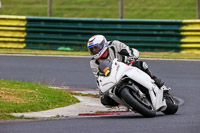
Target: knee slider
column 144, row 66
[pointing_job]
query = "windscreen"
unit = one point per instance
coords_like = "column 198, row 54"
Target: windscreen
column 105, row 67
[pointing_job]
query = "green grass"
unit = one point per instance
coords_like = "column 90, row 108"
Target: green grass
column 171, row 55
column 42, row 52
column 6, row 116
column 17, row 97
column 83, row 94
column 133, row 9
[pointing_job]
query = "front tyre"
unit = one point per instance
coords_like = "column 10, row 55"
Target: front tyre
column 172, row 106
column 136, row 103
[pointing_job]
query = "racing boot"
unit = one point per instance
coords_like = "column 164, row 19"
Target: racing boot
column 145, row 68
column 161, row 85
column 158, row 81
column 166, row 91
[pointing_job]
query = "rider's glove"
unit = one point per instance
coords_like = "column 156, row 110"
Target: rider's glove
column 130, row 59
column 134, row 56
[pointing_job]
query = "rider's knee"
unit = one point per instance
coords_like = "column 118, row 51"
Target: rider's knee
column 145, row 66
column 141, row 65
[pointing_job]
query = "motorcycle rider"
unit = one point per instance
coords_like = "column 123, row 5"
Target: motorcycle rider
column 102, row 49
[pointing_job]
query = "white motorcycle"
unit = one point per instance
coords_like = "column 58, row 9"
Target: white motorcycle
column 134, row 89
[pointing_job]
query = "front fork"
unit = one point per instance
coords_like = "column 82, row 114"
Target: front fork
column 158, row 101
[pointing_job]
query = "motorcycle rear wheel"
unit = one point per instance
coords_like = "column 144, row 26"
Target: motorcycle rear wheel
column 136, row 104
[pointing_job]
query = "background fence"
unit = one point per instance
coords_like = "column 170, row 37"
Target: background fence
column 73, row 33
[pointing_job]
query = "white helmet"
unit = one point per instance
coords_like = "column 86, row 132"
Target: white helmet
column 97, row 45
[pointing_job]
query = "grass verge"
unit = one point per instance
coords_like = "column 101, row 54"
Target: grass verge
column 82, row 94
column 6, row 116
column 42, row 52
column 165, row 55
column 17, row 97
column 171, row 55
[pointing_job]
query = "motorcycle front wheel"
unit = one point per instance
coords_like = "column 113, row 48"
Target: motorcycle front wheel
column 172, row 106
column 137, row 104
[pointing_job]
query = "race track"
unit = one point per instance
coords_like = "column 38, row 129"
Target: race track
column 182, row 76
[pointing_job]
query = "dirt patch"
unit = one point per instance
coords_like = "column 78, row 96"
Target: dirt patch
column 13, row 96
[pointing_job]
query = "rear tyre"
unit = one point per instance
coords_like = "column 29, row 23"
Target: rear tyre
column 130, row 98
column 172, row 106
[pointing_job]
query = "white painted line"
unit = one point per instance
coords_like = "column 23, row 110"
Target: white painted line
column 69, row 56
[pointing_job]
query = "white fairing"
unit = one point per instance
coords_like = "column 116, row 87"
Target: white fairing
column 119, row 70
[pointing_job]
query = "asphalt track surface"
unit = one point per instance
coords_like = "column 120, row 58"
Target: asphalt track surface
column 182, row 76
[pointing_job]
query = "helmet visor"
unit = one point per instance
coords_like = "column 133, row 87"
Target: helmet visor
column 96, row 48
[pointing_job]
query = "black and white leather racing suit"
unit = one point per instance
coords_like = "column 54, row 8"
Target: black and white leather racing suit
column 123, row 53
